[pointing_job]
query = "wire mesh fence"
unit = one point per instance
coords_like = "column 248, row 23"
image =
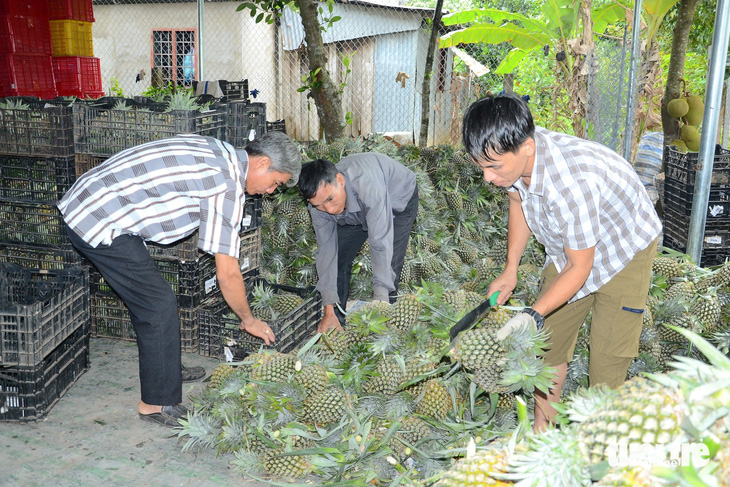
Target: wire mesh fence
column 376, row 53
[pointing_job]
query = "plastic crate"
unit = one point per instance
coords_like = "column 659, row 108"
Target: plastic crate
column 38, row 310
column 40, row 257
column 29, row 393
column 219, row 332
column 71, row 38
column 27, row 75
column 39, row 130
column 711, row 255
column 245, row 121
column 36, row 179
column 676, row 226
column 110, row 319
column 188, row 248
column 71, row 9
column 24, row 34
column 249, row 259
column 678, row 199
column 681, row 167
column 31, row 8
column 234, row 90
column 86, row 162
column 276, row 126
column 78, row 76
column 101, row 130
column 31, row 224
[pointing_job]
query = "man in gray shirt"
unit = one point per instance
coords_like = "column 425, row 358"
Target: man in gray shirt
column 364, row 197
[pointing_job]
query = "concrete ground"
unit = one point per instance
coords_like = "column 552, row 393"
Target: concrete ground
column 93, row 436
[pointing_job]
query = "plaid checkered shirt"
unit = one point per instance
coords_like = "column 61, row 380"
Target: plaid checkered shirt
column 163, row 191
column 582, row 194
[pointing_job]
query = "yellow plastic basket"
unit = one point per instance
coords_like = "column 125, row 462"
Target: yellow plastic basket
column 71, row 38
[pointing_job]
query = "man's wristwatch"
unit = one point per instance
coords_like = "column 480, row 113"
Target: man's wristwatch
column 539, row 319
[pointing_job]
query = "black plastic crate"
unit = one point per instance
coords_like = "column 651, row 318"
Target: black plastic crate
column 48, row 258
column 86, row 162
column 31, row 224
column 41, row 129
column 276, row 126
column 38, row 310
column 234, row 90
column 27, row 394
column 676, row 226
column 36, row 179
column 711, row 255
column 101, row 130
column 249, row 259
column 187, row 249
column 245, row 121
column 110, row 319
column 678, row 198
column 682, row 166
column 219, row 331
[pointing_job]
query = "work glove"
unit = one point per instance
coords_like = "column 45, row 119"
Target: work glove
column 528, row 317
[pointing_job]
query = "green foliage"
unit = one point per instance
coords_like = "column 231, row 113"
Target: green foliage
column 115, row 89
column 700, row 35
column 695, row 70
column 159, row 94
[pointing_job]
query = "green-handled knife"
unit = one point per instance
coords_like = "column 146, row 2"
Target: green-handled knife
column 473, row 316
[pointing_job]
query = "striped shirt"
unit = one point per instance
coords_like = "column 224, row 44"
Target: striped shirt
column 581, row 195
column 163, row 191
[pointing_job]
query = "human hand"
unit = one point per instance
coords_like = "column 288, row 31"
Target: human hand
column 517, row 321
column 259, row 329
column 504, row 284
column 329, row 322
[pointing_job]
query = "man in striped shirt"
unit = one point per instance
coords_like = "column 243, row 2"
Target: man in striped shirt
column 164, row 191
column 587, row 206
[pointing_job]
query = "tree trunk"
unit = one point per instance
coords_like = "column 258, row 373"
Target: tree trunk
column 325, row 92
column 675, row 71
column 581, row 68
column 428, row 74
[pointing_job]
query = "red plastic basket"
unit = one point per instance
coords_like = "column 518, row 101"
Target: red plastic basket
column 27, row 75
column 78, row 76
column 23, row 34
column 31, row 8
column 72, row 9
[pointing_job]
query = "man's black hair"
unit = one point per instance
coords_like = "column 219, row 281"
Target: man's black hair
column 496, row 125
column 314, row 174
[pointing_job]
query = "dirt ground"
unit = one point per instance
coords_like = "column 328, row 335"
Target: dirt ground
column 93, row 436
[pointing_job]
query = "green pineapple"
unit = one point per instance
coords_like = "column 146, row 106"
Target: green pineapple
column 706, row 308
column 263, row 302
column 411, row 431
column 220, row 374
column 472, row 299
column 667, row 267
column 488, row 378
column 633, row 476
column 498, row 251
column 681, row 289
column 507, row 401
column 479, row 469
column 386, row 379
column 478, row 348
column 379, row 307
column 337, row 342
column 436, row 401
column 275, row 367
column 406, row 312
column 470, row 209
column 314, row 378
column 267, row 206
column 487, row 270
column 685, row 320
column 405, row 273
column 301, row 216
column 639, row 411
column 285, row 466
column 319, row 150
column 527, row 271
column 456, row 298
column 326, row 407
column 467, row 252
column 286, row 303
column 497, row 318
column 454, row 200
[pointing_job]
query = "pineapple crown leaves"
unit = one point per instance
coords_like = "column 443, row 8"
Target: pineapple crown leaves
column 202, row 430
column 248, row 462
column 524, row 367
column 583, row 403
column 552, row 458
column 721, row 339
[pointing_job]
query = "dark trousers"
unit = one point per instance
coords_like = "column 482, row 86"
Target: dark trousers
column 130, row 271
column 350, row 239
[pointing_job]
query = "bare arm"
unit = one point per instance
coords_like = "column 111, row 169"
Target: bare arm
column 231, row 283
column 568, row 281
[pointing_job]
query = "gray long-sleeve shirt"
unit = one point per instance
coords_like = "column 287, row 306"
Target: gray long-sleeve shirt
column 376, row 186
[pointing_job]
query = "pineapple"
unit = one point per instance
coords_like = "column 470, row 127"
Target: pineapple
column 326, row 407
column 286, row 303
column 289, row 466
column 301, row 216
column 667, row 267
column 263, row 302
column 706, row 309
column 435, row 402
column 319, row 150
column 405, row 273
column 478, row 348
column 498, row 251
column 411, row 431
column 472, row 299
column 337, row 342
column 684, row 320
column 454, row 200
column 467, row 252
column 314, row 378
column 478, row 469
column 488, row 378
column 276, row 367
column 639, row 411
column 497, row 318
column 456, row 298
column 406, row 312
column 220, row 374
column 681, row 289
column 387, row 377
column 379, row 307
column 627, row 477
column 470, row 209
column 487, row 270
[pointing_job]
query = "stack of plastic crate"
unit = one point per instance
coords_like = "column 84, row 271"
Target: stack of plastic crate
column 246, row 121
column 77, row 72
column 679, row 185
column 25, row 49
column 44, row 338
column 37, row 167
column 191, row 274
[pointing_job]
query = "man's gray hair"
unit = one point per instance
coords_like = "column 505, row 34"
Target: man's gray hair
column 281, row 151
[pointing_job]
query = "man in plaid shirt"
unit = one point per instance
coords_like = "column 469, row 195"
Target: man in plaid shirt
column 163, row 191
column 589, row 209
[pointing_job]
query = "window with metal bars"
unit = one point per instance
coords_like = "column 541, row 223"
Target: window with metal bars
column 173, row 52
